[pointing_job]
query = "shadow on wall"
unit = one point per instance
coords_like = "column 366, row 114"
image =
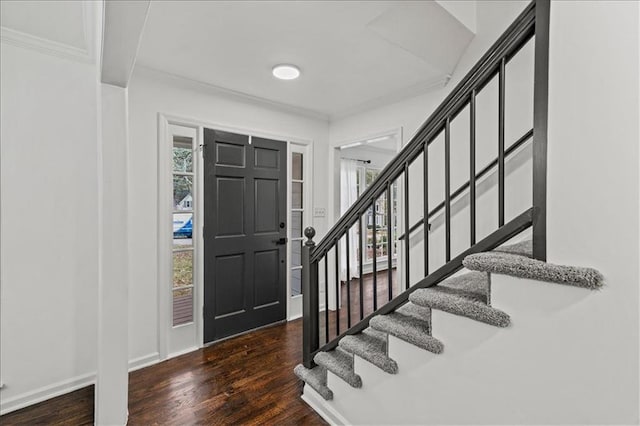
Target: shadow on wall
column 486, row 190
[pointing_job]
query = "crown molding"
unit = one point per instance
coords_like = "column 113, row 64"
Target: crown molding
column 54, row 48
column 397, row 96
column 42, row 45
column 188, row 83
column 175, row 79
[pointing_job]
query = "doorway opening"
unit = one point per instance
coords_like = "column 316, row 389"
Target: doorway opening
column 359, row 162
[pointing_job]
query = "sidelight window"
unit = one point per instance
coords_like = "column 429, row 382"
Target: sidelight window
column 297, row 222
column 183, row 249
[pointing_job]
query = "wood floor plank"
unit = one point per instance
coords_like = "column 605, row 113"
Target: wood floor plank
column 245, row 380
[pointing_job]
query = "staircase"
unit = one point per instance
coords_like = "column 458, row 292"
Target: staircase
column 410, row 328
column 408, row 351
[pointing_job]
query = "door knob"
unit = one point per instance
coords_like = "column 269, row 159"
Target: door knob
column 280, row 241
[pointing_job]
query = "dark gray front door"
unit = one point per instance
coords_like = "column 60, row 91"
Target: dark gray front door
column 244, row 233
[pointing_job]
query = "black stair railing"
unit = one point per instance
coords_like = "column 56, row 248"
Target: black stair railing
column 533, row 21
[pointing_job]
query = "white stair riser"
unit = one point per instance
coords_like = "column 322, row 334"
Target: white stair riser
column 537, row 371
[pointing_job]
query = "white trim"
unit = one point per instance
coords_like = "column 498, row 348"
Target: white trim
column 294, row 303
column 334, row 165
column 199, row 241
column 294, row 312
column 393, row 97
column 55, row 48
column 200, row 86
column 396, row 131
column 182, row 352
column 165, row 246
column 46, row 392
column 182, row 335
column 195, row 122
column 322, row 407
column 397, row 96
column 144, row 361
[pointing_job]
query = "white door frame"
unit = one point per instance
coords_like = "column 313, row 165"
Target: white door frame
column 334, row 165
column 165, row 233
column 294, row 303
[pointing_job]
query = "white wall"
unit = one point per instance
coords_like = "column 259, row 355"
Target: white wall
column 150, row 94
column 49, row 224
column 593, row 173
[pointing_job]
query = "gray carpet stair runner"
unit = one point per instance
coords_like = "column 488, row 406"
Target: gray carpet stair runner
column 467, row 295
column 370, row 345
column 315, row 377
column 411, row 323
column 339, row 362
column 519, row 264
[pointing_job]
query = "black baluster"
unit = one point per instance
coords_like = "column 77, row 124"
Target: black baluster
column 501, row 85
column 337, row 243
column 425, row 212
column 347, row 237
column 447, row 188
column 326, row 296
column 406, row 224
column 375, row 255
column 360, row 262
column 472, row 166
column 389, row 246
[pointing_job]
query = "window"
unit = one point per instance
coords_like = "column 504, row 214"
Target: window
column 297, row 225
column 183, row 249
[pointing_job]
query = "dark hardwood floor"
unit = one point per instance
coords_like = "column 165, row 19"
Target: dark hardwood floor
column 74, row 408
column 247, row 380
column 382, row 292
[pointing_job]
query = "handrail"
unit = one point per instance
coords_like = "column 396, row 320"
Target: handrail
column 524, row 138
column 509, row 43
column 493, row 240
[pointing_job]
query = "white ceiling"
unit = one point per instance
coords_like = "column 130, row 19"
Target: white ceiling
column 353, row 54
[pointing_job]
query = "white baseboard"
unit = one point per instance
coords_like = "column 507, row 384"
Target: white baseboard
column 63, row 387
column 182, row 352
column 144, row 361
column 320, row 406
column 46, row 392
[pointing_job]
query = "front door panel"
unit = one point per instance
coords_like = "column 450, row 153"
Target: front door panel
column 244, row 223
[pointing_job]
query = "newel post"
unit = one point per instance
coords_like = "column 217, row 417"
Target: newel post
column 310, row 332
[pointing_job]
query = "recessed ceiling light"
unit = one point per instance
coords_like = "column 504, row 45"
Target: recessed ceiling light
column 286, row 72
